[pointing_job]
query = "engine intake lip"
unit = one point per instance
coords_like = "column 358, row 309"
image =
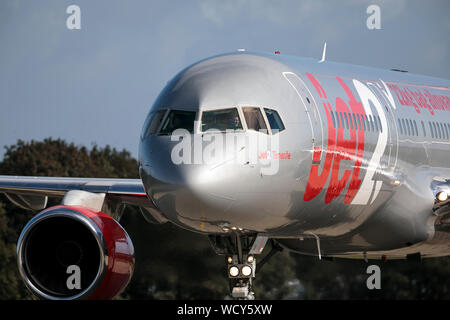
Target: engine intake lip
column 50, row 213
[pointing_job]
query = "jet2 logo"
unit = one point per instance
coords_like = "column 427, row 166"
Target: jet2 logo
column 352, row 149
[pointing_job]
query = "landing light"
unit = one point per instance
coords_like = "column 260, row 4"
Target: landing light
column 250, row 259
column 230, row 259
column 246, row 271
column 442, row 196
column 234, row 271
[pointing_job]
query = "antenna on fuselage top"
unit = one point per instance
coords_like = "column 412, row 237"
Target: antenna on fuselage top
column 324, row 52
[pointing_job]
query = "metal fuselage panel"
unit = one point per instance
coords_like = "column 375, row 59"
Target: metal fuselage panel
column 356, row 177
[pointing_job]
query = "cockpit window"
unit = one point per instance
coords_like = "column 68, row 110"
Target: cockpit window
column 152, row 123
column 274, row 120
column 178, row 119
column 254, row 119
column 221, row 120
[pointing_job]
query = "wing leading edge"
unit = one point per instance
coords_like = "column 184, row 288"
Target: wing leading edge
column 32, row 193
column 49, row 186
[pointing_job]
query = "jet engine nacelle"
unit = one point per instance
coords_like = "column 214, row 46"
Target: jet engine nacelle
column 71, row 252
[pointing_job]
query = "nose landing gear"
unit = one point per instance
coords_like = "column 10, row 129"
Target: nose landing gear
column 241, row 273
column 240, row 251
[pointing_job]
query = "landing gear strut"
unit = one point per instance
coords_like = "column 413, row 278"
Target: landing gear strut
column 240, row 251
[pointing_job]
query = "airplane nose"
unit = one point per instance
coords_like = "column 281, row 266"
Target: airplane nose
column 195, row 195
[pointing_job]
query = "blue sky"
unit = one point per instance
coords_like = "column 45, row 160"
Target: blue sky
column 95, row 85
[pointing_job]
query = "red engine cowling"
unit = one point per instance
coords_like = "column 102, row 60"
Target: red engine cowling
column 73, row 252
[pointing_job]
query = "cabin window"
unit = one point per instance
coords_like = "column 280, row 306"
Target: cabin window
column 410, row 129
column 378, row 123
column 404, row 127
column 342, row 120
column 338, row 122
column 347, row 126
column 336, row 119
column 423, row 129
column 332, row 119
column 436, row 134
column 145, row 126
column 400, row 126
column 415, row 127
column 178, row 119
column 221, row 120
column 275, row 123
column 349, row 120
column 372, row 127
column 359, row 121
column 152, row 123
column 363, row 121
column 254, row 119
column 444, row 129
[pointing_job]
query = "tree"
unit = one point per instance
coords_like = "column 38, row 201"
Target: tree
column 400, row 279
column 11, row 286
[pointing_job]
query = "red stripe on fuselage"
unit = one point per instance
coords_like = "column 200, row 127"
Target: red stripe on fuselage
column 338, row 149
column 316, row 180
column 317, row 85
column 357, row 108
column 345, row 150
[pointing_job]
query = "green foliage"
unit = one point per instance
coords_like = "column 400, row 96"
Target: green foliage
column 400, row 279
column 58, row 159
column 11, row 286
column 272, row 281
